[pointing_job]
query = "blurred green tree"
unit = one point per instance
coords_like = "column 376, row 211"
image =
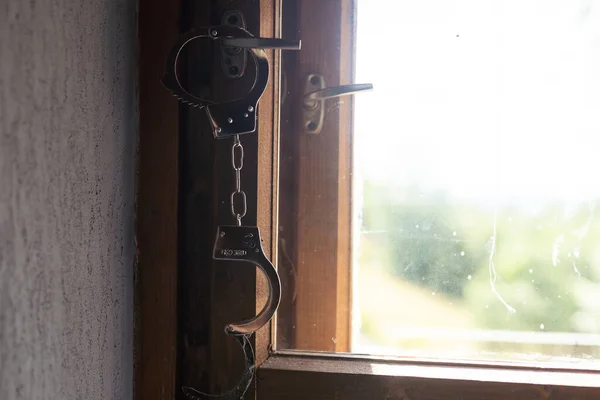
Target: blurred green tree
column 540, row 256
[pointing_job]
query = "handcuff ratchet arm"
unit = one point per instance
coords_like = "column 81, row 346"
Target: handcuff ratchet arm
column 243, row 244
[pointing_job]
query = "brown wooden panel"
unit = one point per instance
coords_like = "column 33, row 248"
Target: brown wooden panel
column 267, row 166
column 239, row 291
column 156, row 235
column 287, row 204
column 216, row 293
column 212, row 294
column 197, row 223
column 345, row 135
column 311, row 377
column 322, row 166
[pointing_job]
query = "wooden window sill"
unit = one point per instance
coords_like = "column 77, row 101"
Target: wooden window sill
column 303, row 375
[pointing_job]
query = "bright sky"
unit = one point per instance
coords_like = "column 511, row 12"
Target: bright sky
column 486, row 99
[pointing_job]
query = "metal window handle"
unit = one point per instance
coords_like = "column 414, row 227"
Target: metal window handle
column 314, row 100
column 338, row 91
column 261, row 43
column 234, row 53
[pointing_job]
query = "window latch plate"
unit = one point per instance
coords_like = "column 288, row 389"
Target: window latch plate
column 315, row 94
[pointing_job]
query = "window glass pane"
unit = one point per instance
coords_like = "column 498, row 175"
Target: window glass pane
column 476, row 191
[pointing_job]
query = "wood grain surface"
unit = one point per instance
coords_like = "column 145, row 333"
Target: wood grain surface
column 213, row 294
column 301, row 376
column 316, row 215
column 156, row 273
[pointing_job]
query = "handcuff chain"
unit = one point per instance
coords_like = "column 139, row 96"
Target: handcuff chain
column 237, row 162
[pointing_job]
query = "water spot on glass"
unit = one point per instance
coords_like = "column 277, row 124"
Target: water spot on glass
column 417, row 226
column 509, row 219
column 469, row 277
column 575, row 269
column 487, row 306
column 462, row 253
column 556, row 249
column 530, row 271
column 533, row 281
column 433, row 293
column 542, row 326
column 454, row 233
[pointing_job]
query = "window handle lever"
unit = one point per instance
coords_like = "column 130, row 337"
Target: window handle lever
column 338, row 91
column 316, row 92
column 261, row 43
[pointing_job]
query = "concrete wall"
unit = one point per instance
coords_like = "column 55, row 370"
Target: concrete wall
column 67, row 156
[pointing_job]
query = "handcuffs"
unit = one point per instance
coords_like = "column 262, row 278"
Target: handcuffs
column 238, row 116
column 235, row 243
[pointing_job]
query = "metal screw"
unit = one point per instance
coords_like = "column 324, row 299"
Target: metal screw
column 214, row 32
column 230, row 120
column 245, row 115
column 314, row 80
column 222, row 234
column 311, row 126
column 233, row 70
column 218, row 129
column 250, row 108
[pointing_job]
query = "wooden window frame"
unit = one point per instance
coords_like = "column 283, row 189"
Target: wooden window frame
column 183, row 298
column 315, row 206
